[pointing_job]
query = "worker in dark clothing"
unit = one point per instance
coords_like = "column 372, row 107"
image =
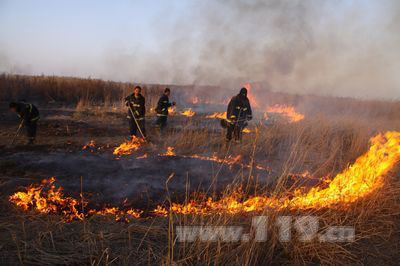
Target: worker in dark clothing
column 238, row 113
column 162, row 109
column 29, row 115
column 136, row 113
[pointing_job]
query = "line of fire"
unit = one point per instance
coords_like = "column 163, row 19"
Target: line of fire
column 242, row 132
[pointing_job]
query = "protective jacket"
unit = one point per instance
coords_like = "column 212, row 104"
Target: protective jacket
column 27, row 112
column 137, row 105
column 162, row 106
column 239, row 109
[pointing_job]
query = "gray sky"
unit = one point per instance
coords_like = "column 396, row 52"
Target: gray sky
column 328, row 47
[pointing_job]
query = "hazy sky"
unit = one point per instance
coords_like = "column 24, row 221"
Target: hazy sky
column 338, row 47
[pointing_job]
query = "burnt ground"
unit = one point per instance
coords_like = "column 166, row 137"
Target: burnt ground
column 107, row 180
column 103, row 177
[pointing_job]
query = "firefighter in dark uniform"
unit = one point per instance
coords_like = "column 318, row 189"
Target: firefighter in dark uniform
column 29, row 115
column 136, row 111
column 238, row 113
column 162, row 109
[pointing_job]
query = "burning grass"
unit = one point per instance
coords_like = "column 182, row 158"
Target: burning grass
column 188, row 113
column 288, row 111
column 355, row 183
column 46, row 198
column 360, row 191
column 129, row 147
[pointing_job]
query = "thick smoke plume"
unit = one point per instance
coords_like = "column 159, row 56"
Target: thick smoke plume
column 332, row 47
column 345, row 48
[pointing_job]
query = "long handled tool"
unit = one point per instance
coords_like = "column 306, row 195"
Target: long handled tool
column 137, row 124
column 17, row 133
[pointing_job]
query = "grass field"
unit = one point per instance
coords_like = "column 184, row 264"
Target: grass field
column 204, row 183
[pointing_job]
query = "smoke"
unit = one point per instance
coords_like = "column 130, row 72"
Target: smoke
column 345, row 48
column 332, row 47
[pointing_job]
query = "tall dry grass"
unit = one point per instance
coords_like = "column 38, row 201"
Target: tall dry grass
column 323, row 145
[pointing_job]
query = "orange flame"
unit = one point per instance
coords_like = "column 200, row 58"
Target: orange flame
column 45, row 198
column 128, row 147
column 288, row 111
column 171, row 110
column 90, row 146
column 169, row 152
column 118, row 214
column 188, row 113
column 217, row 116
column 252, row 98
column 354, row 183
column 246, row 130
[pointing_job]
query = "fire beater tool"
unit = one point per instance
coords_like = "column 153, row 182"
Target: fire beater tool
column 17, row 133
column 137, row 124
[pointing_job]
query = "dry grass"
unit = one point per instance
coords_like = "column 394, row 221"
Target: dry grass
column 324, row 146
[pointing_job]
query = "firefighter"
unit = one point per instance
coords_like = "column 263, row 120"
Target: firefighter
column 162, row 109
column 136, row 113
column 238, row 113
column 29, row 115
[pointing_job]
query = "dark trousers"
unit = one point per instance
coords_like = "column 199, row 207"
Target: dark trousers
column 133, row 129
column 162, row 122
column 235, row 129
column 30, row 128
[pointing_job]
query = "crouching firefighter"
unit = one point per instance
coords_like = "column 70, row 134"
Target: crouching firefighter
column 136, row 113
column 162, row 109
column 29, row 115
column 238, row 113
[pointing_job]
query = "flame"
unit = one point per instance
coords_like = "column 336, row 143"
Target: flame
column 354, row 183
column 46, row 198
column 128, row 147
column 118, row 214
column 169, row 152
column 246, row 130
column 252, row 98
column 90, row 146
column 172, row 110
column 289, row 111
column 160, row 211
column 217, row 116
column 188, row 113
